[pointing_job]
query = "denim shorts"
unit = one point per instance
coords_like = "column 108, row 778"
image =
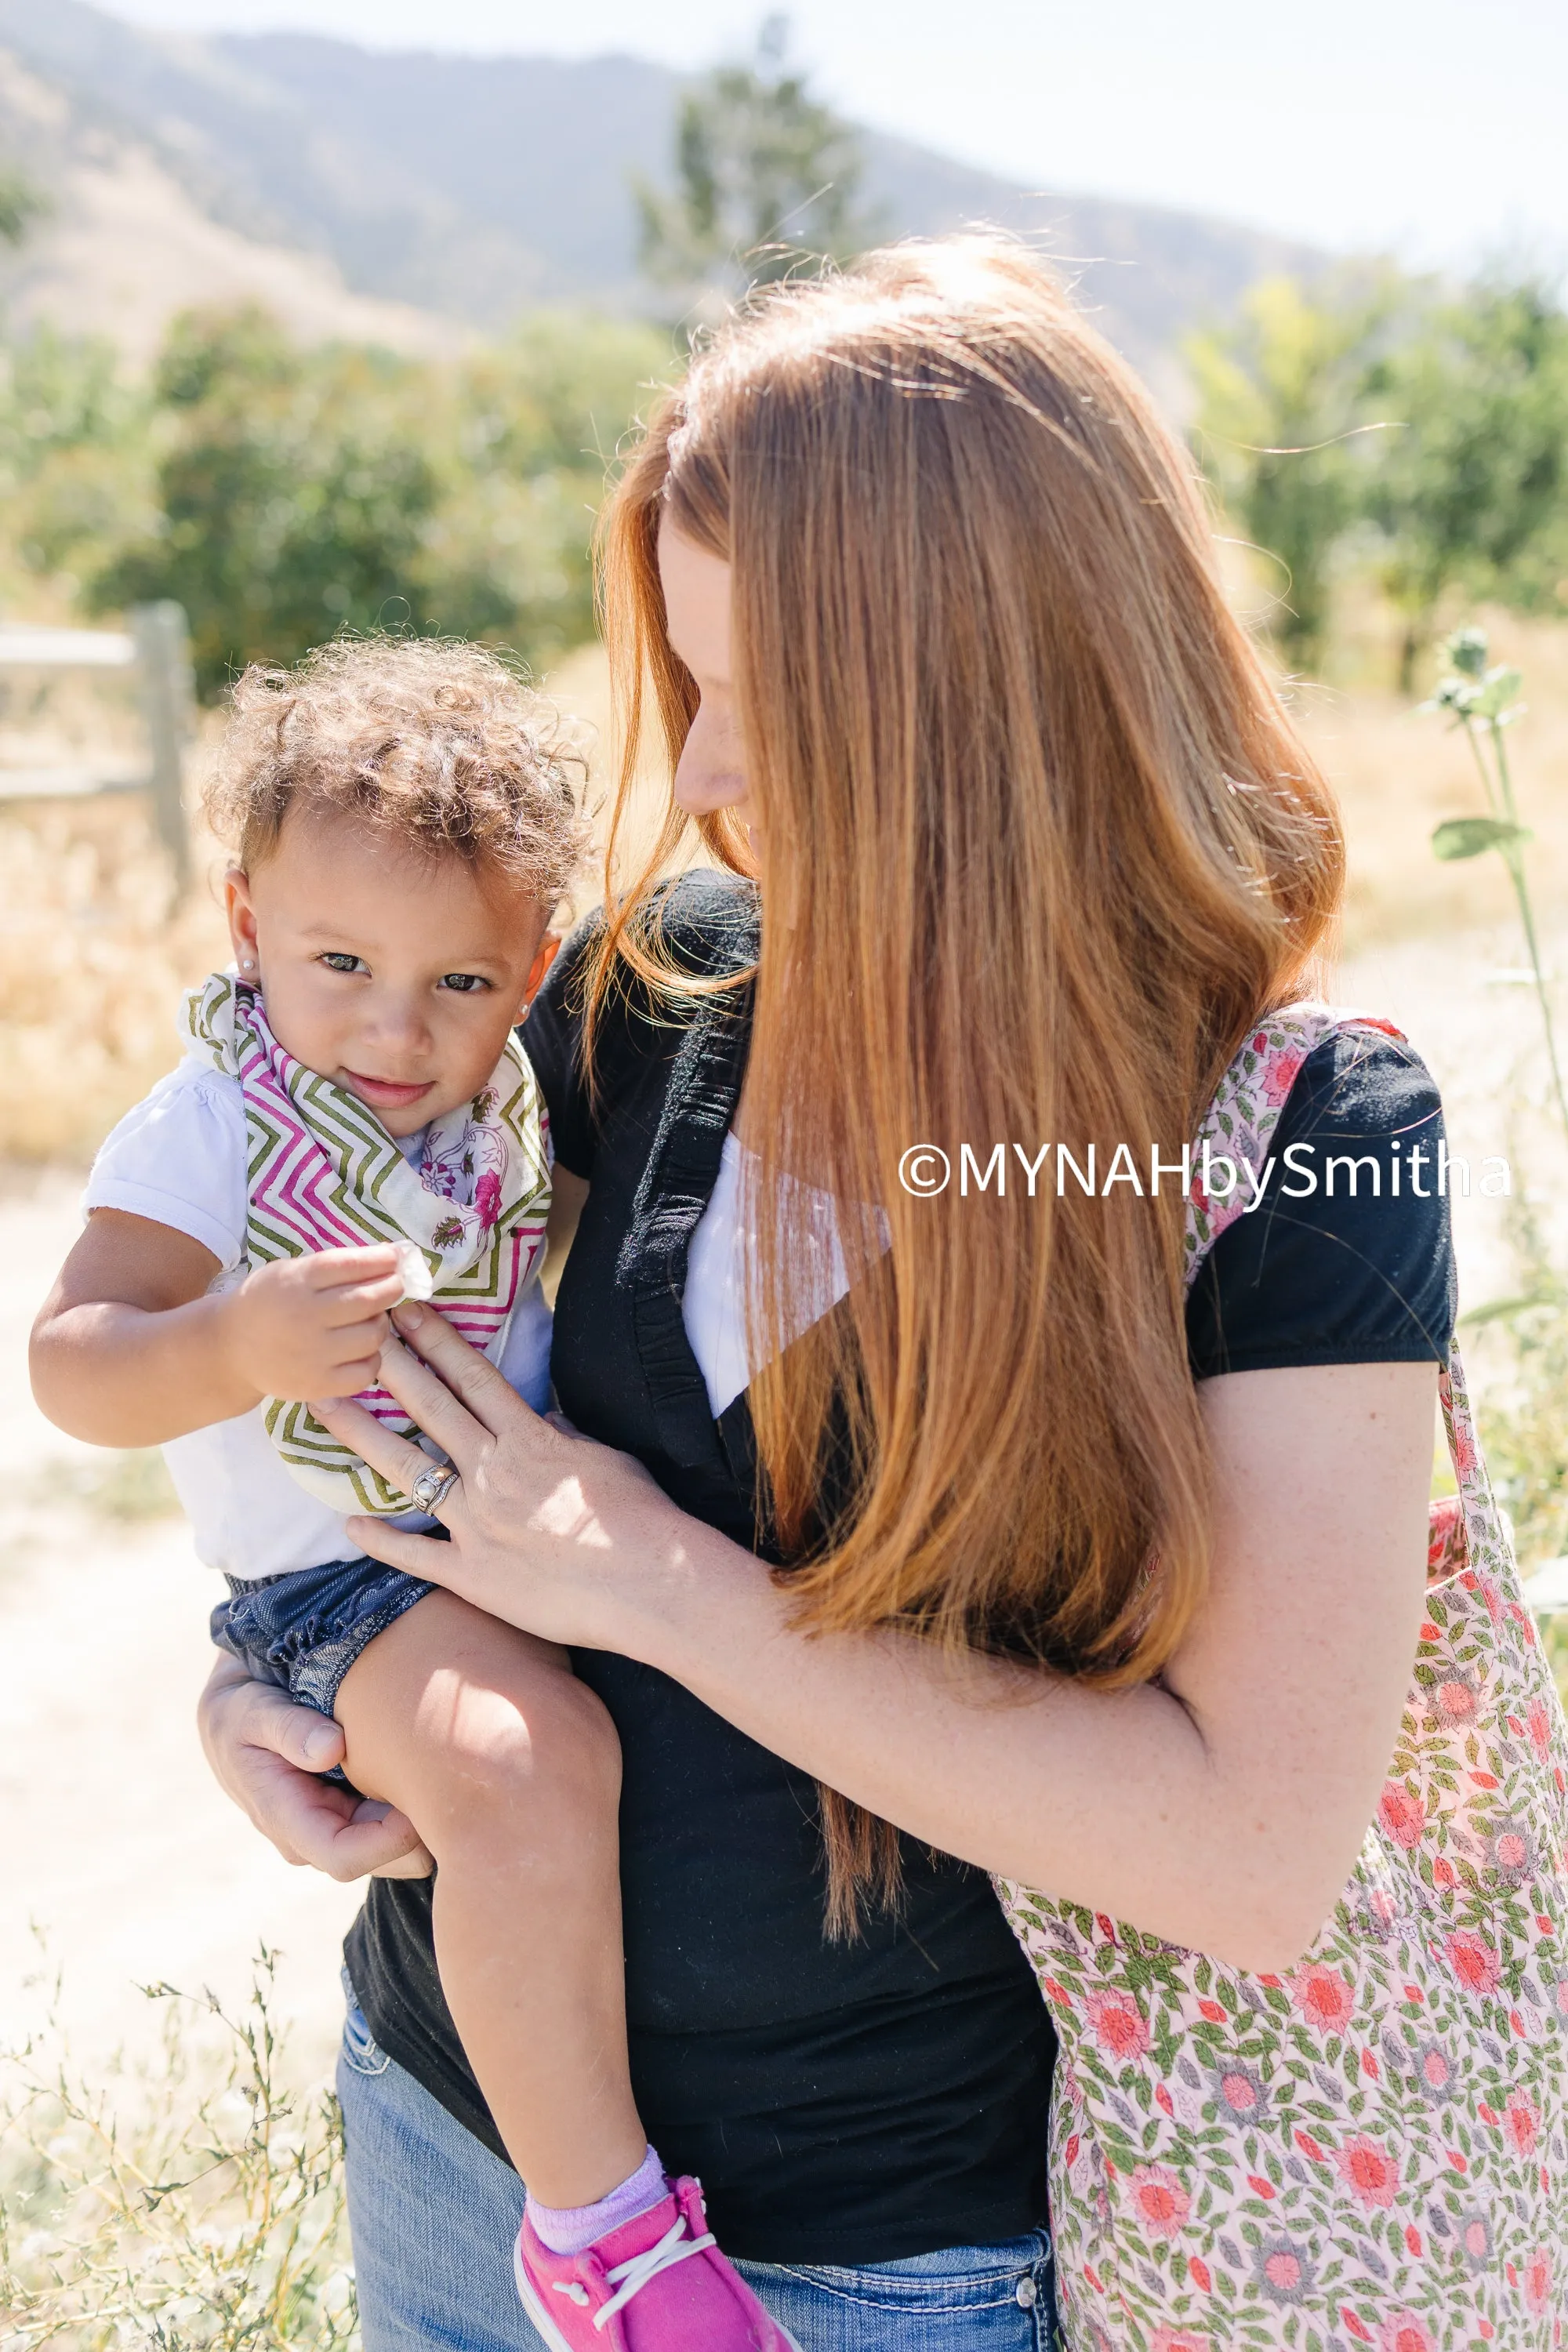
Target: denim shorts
column 433, row 2216
column 304, row 1631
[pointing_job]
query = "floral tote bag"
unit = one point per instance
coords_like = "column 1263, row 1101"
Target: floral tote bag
column 1370, row 2151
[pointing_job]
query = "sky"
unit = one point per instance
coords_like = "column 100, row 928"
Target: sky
column 1431, row 129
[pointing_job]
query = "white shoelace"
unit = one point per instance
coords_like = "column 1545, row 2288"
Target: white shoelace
column 674, row 2247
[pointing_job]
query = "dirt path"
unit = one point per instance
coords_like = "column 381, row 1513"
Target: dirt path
column 118, row 1843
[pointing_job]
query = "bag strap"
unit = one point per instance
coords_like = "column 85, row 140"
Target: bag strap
column 1239, row 1123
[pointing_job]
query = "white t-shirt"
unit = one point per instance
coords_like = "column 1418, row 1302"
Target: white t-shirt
column 179, row 1158
column 713, row 1308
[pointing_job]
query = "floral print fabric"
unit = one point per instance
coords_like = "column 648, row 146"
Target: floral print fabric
column 1369, row 2151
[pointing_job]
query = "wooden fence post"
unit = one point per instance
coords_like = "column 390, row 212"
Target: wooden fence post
column 166, row 685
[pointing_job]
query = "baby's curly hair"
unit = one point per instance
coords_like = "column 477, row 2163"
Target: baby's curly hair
column 440, row 743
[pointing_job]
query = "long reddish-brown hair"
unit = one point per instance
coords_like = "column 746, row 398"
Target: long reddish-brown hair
column 1040, row 844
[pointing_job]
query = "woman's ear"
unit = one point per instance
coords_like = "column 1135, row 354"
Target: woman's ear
column 549, row 948
column 241, row 913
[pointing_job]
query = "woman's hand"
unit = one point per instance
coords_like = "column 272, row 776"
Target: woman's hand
column 265, row 1753
column 549, row 1531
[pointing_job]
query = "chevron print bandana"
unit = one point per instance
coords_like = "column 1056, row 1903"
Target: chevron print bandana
column 323, row 1173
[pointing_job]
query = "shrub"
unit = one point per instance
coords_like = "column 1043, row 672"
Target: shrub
column 296, row 492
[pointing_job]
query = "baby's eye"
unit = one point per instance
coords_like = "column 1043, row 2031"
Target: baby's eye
column 335, row 962
column 464, row 982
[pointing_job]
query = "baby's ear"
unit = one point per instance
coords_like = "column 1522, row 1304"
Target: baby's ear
column 241, row 915
column 549, row 948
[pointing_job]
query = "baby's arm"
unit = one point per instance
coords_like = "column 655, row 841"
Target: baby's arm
column 130, row 1350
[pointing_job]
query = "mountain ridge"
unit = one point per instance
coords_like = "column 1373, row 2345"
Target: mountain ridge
column 467, row 190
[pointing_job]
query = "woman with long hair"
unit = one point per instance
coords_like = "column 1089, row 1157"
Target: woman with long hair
column 1060, row 1520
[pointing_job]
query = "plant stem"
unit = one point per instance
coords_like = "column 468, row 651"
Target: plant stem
column 1515, row 864
column 1505, row 776
column 1473, row 739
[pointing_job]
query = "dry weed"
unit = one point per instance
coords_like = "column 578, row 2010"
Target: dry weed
column 198, row 2207
column 93, row 955
column 1399, row 771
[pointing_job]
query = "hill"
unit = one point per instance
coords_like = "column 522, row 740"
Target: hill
column 125, row 243
column 470, row 189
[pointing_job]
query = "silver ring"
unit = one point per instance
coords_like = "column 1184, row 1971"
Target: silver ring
column 432, row 1486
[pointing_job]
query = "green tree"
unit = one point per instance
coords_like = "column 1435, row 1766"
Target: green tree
column 767, row 182
column 1281, row 415
column 74, row 451
column 1471, row 496
column 63, row 392
column 292, row 491
column 539, row 422
column 559, row 393
column 297, row 491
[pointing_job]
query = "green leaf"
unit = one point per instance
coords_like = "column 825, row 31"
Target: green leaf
column 1468, row 836
column 1499, row 690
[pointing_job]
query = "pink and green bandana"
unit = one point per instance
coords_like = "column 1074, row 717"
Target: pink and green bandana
column 323, row 1173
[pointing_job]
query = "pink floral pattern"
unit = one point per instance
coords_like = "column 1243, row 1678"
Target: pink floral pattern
column 1370, row 2151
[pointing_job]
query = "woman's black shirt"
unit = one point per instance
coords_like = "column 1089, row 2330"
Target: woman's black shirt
column 842, row 2102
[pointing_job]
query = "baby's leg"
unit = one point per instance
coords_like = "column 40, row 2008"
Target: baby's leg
column 510, row 1770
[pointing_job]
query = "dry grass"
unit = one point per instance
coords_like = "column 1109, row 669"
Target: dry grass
column 93, row 956
column 1399, row 770
column 195, row 2204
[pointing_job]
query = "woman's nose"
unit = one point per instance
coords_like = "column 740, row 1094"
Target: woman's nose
column 709, row 774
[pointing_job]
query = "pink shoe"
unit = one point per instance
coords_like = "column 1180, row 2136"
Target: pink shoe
column 659, row 2284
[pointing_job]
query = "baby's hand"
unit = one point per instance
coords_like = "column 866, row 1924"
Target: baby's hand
column 314, row 1325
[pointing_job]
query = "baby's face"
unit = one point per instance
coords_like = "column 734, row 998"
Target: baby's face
column 396, row 975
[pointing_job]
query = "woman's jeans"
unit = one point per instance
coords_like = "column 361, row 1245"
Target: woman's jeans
column 434, row 2215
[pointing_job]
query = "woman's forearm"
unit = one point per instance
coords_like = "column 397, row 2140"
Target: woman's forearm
column 1222, row 1808
column 1111, row 1800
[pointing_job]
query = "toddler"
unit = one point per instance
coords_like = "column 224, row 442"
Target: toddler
column 355, row 1123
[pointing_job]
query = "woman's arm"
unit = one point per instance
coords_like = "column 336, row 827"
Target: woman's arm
column 130, row 1349
column 1222, row 1809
